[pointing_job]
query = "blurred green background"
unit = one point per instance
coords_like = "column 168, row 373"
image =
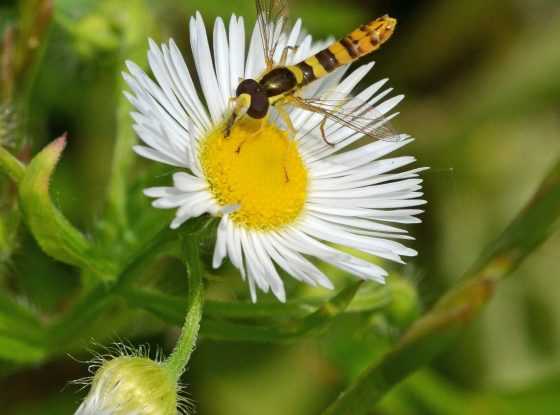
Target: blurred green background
column 482, row 80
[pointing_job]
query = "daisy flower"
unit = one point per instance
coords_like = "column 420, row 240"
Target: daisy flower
column 282, row 199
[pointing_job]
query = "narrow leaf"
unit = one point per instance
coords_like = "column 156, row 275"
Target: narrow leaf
column 53, row 232
column 17, row 351
column 171, row 309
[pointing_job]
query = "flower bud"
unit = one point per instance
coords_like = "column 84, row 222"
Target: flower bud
column 132, row 385
column 404, row 306
column 95, row 32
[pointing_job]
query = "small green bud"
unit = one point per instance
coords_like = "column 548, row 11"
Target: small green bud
column 404, row 306
column 128, row 385
column 95, row 32
column 92, row 33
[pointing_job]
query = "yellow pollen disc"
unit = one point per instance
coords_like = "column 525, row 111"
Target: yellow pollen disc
column 259, row 168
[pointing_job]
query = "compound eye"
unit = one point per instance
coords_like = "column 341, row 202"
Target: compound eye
column 248, row 86
column 259, row 105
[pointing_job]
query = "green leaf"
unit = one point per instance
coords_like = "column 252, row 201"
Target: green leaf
column 260, row 310
column 432, row 333
column 370, row 297
column 22, row 337
column 70, row 328
column 291, row 330
column 18, row 351
column 53, row 232
column 19, row 322
column 171, row 309
column 73, row 325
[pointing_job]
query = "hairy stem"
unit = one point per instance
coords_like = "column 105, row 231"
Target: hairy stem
column 180, row 356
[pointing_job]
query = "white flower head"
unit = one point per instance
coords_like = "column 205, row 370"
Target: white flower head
column 282, row 198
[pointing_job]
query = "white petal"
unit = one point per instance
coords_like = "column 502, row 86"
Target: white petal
column 220, row 249
column 272, row 250
column 255, row 57
column 359, row 267
column 155, row 155
column 221, row 57
column 236, row 52
column 188, row 183
column 270, row 273
column 303, row 267
column 184, row 83
column 234, row 248
column 254, row 271
column 161, row 191
column 172, row 201
column 216, row 102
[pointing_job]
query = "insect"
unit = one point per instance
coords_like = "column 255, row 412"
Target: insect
column 281, row 85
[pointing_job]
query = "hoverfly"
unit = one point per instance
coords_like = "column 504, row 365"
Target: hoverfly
column 281, row 85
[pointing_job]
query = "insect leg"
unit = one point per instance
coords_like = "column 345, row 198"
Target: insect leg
column 286, row 118
column 241, row 104
column 323, row 134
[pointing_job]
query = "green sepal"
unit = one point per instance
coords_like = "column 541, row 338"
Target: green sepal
column 53, row 232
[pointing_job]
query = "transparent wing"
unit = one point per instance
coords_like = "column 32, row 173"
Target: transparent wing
column 360, row 116
column 272, row 18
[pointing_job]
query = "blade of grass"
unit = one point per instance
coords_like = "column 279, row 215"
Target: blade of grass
column 432, row 333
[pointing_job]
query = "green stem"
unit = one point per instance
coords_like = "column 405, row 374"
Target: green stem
column 133, row 47
column 122, row 163
column 177, row 361
column 11, row 165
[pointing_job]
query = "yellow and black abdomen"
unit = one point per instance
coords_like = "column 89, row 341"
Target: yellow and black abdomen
column 362, row 41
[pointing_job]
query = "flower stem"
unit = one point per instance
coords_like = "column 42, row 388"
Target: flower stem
column 177, row 361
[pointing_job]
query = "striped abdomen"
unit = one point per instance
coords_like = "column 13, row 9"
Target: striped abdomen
column 362, row 41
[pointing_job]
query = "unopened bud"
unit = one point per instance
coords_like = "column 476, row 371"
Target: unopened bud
column 132, row 385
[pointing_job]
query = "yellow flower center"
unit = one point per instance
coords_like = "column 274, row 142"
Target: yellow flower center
column 258, row 168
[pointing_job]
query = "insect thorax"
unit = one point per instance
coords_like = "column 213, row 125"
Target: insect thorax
column 278, row 81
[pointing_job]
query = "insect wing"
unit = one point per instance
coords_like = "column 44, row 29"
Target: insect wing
column 272, row 19
column 353, row 113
